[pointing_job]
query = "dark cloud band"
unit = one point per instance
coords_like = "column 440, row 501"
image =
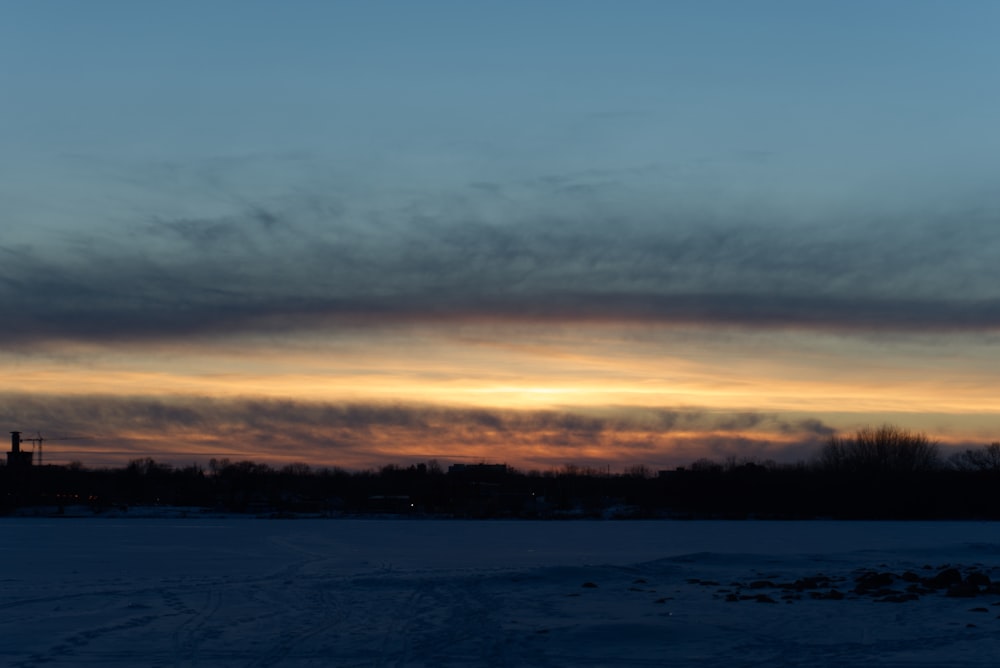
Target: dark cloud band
column 369, row 434
column 303, row 267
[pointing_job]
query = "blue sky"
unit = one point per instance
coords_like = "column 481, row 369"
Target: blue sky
column 178, row 174
column 790, row 98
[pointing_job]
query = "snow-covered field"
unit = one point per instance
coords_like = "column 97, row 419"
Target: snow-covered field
column 252, row 592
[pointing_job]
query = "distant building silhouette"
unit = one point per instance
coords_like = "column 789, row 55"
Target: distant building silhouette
column 17, row 457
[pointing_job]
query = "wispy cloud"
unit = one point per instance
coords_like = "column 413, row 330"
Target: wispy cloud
column 361, row 435
column 535, row 252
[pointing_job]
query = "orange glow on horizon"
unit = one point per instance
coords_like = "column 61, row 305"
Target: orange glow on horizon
column 551, row 386
column 844, row 381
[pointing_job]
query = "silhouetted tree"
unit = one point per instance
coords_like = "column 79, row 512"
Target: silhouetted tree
column 885, row 450
column 984, row 459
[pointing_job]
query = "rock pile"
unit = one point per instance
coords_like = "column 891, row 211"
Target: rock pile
column 880, row 585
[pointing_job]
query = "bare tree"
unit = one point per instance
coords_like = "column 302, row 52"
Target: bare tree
column 639, row 471
column 984, row 459
column 880, row 450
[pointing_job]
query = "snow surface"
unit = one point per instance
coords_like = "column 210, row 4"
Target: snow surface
column 255, row 592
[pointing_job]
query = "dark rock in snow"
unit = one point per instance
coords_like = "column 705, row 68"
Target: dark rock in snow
column 816, row 582
column 832, row 595
column 919, row 589
column 871, row 581
column 946, row 578
column 977, row 578
column 962, row 590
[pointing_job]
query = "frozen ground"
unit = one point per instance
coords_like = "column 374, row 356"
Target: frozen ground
column 246, row 592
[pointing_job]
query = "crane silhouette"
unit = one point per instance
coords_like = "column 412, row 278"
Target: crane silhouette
column 39, row 439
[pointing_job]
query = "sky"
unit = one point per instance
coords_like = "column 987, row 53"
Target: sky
column 537, row 233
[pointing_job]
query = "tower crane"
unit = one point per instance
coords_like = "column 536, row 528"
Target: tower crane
column 39, row 439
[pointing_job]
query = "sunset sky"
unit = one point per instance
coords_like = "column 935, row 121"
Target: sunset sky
column 539, row 233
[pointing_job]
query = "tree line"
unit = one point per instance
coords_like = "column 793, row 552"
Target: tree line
column 878, row 473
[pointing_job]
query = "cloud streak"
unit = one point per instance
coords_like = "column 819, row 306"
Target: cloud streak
column 557, row 253
column 364, row 435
